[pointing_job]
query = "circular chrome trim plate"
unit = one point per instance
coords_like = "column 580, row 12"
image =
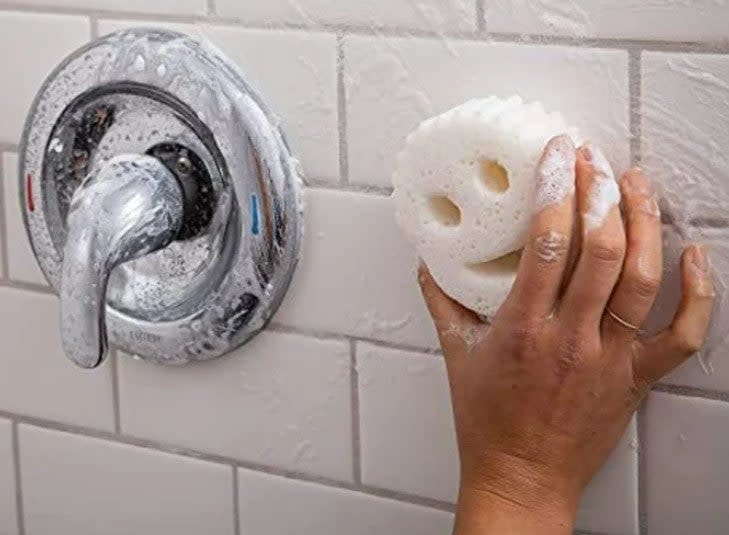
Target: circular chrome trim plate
column 250, row 246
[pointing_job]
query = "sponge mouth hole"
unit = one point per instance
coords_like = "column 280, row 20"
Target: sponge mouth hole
column 494, row 176
column 501, row 266
column 444, row 210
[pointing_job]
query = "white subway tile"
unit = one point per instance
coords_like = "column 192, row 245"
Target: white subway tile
column 171, row 7
column 709, row 369
column 687, row 440
column 87, row 486
column 406, row 423
column 610, row 504
column 408, row 441
column 357, row 274
column 279, row 506
column 678, row 20
column 8, row 503
column 281, row 400
column 685, row 105
column 434, row 15
column 296, row 74
column 21, row 260
column 33, row 44
column 37, row 378
column 393, row 84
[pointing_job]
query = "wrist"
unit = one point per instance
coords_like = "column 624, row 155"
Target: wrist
column 511, row 495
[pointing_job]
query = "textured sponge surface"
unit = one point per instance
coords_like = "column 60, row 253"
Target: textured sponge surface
column 464, row 191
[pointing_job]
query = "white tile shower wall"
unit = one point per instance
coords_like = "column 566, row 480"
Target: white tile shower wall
column 87, row 486
column 438, row 15
column 685, row 135
column 282, row 400
column 22, row 266
column 37, row 379
column 277, row 506
column 680, row 20
column 356, row 76
column 169, row 7
column 31, row 46
column 8, row 504
column 686, row 478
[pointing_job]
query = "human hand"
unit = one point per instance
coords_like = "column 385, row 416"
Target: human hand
column 542, row 395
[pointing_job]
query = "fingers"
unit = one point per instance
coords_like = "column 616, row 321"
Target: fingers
column 640, row 280
column 544, row 259
column 672, row 346
column 603, row 241
column 454, row 323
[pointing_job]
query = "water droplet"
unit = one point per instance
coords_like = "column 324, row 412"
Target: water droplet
column 161, row 70
column 139, row 63
column 55, row 145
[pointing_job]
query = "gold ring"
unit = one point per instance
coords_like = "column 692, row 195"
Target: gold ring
column 621, row 321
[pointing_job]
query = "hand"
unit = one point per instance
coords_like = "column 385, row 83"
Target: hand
column 543, row 394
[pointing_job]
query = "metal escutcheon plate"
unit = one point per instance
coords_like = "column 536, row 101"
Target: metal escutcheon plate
column 180, row 100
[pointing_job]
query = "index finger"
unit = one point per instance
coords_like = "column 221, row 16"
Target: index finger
column 544, row 260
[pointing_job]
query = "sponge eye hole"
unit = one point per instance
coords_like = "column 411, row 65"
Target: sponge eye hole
column 444, row 211
column 493, row 176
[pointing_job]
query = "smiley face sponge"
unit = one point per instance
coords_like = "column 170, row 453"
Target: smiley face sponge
column 464, row 191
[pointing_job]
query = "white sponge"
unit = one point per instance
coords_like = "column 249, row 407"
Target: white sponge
column 465, row 190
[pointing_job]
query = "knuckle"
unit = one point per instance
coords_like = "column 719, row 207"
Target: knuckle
column 643, row 285
column 606, row 250
column 688, row 343
column 550, row 247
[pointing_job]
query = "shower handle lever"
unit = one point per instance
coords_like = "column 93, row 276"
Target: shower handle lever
column 130, row 207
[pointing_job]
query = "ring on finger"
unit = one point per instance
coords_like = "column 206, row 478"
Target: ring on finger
column 622, row 322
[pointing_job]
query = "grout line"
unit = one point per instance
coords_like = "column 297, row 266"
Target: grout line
column 94, row 25
column 381, row 191
column 276, row 327
column 709, row 222
column 28, row 286
column 635, row 95
column 116, row 403
column 18, row 482
column 692, row 392
column 480, row 17
column 9, row 147
column 642, row 471
column 236, row 502
column 389, row 31
column 356, row 440
column 407, row 498
column 327, row 335
column 4, row 259
column 342, row 113
column 221, row 459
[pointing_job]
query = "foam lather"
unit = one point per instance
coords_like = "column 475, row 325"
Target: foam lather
column 464, row 193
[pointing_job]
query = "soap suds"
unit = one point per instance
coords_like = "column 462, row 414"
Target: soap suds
column 605, row 194
column 556, row 173
column 471, row 336
column 551, row 246
column 650, row 206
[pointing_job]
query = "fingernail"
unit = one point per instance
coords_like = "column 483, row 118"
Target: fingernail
column 636, row 169
column 699, row 258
